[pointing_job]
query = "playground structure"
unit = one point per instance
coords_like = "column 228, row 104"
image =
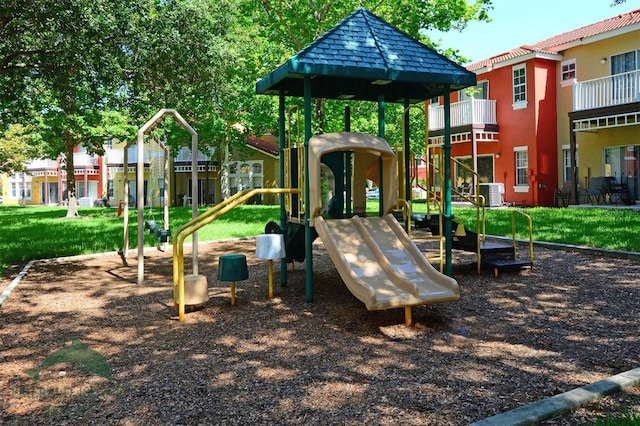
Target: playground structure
column 322, row 177
column 389, row 68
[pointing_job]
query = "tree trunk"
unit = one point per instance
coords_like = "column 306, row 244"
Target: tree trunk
column 72, row 200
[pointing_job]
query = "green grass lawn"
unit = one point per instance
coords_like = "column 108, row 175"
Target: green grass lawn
column 42, row 232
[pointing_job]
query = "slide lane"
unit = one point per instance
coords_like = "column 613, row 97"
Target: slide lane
column 381, row 265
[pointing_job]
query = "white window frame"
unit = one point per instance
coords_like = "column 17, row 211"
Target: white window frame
column 568, row 72
column 519, row 152
column 519, row 80
column 17, row 183
column 253, row 178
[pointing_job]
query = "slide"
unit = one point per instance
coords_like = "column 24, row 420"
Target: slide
column 381, row 265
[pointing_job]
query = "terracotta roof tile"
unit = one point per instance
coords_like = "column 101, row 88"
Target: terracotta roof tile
column 556, row 44
column 265, row 144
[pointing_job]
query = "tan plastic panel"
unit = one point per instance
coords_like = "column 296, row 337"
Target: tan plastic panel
column 381, row 265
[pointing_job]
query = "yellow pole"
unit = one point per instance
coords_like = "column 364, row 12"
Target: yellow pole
column 407, row 315
column 195, row 224
column 270, row 278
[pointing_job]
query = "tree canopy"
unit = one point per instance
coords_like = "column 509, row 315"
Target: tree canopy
column 81, row 72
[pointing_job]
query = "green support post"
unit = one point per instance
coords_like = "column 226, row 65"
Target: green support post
column 407, row 156
column 381, row 108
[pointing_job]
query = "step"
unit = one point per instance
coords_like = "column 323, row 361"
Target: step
column 500, row 264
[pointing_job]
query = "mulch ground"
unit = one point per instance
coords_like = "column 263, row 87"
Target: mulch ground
column 509, row 341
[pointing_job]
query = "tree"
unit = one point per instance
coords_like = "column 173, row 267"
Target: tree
column 62, row 71
column 109, row 67
column 16, row 148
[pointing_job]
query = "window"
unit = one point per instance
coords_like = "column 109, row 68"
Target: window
column 479, row 91
column 624, row 62
column 522, row 167
column 484, row 170
column 245, row 175
column 624, row 85
column 568, row 72
column 20, row 186
column 519, row 87
column 90, row 189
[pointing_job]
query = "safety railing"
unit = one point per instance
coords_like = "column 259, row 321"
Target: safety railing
column 404, row 206
column 204, row 219
column 474, row 198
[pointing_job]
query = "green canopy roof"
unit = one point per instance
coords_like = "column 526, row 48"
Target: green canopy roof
column 363, row 57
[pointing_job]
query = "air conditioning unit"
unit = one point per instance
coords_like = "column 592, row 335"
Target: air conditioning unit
column 492, row 193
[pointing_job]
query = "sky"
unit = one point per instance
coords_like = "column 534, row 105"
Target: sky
column 520, row 22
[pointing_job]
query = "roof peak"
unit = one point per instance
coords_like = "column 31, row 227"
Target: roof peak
column 557, row 43
column 363, row 57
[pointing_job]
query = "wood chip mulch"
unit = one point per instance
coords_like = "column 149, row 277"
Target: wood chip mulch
column 508, row 342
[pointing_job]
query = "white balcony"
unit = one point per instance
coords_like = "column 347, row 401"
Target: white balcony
column 184, row 155
column 607, row 91
column 464, row 113
column 41, row 165
column 84, row 160
column 115, row 156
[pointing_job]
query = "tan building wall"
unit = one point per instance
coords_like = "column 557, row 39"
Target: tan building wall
column 593, row 61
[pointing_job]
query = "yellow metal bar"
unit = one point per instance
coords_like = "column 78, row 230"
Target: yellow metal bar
column 479, row 201
column 301, row 179
column 407, row 315
column 290, row 110
column 287, row 178
column 205, row 218
column 405, row 207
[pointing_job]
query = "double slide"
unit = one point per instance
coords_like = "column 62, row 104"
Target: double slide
column 381, row 265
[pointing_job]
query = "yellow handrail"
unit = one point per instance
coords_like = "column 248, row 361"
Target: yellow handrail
column 405, row 207
column 515, row 213
column 205, row 218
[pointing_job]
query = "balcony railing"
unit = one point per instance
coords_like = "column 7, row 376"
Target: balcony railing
column 607, row 91
column 116, row 156
column 470, row 111
column 84, row 160
column 184, row 155
column 41, row 164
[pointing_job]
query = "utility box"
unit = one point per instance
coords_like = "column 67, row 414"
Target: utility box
column 492, row 193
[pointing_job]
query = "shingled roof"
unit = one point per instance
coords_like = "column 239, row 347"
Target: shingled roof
column 560, row 42
column 363, row 57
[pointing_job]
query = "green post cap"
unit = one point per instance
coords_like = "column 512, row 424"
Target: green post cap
column 233, row 267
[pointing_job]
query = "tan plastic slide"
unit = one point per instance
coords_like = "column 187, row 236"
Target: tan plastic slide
column 381, row 265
